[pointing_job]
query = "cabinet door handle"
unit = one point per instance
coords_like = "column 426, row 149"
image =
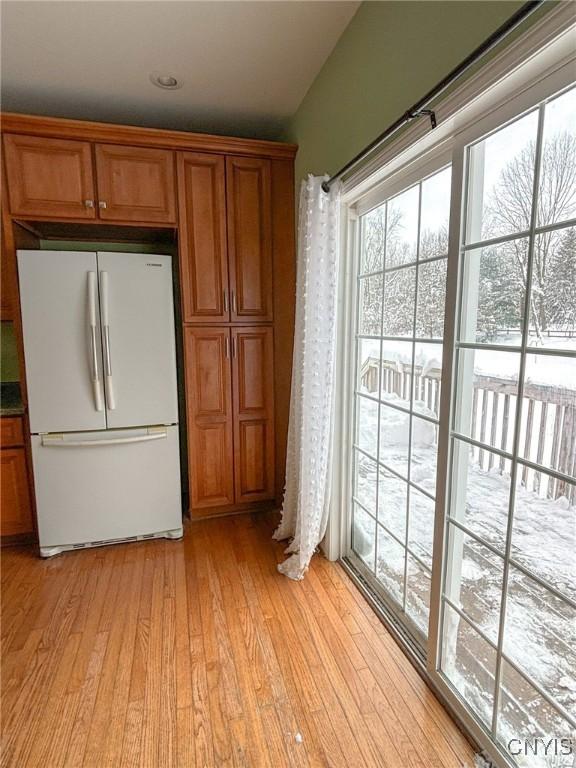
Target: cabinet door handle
column 102, row 204
column 227, row 347
column 233, row 346
column 89, row 203
column 225, row 300
column 233, row 293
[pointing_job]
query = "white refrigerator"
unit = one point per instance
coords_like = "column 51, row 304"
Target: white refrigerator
column 100, row 358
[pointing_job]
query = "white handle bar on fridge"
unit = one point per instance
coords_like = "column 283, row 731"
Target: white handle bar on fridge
column 110, row 398
column 96, row 383
column 57, row 441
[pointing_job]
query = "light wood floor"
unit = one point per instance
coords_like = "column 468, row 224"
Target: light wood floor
column 198, row 653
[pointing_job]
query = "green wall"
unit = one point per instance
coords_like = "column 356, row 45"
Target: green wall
column 390, row 54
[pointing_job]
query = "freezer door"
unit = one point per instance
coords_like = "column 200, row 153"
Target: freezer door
column 138, row 339
column 62, row 344
column 100, row 486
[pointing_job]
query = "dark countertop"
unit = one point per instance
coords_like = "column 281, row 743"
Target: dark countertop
column 10, row 399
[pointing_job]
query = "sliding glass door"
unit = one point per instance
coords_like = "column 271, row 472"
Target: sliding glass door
column 508, row 630
column 472, row 547
column 401, row 289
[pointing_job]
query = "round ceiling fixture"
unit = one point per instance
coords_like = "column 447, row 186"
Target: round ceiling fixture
column 167, row 82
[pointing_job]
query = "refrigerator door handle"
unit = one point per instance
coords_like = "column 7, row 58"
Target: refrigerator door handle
column 57, row 440
column 96, row 383
column 110, row 398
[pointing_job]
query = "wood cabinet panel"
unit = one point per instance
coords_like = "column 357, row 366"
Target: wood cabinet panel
column 7, row 271
column 209, row 416
column 249, row 212
column 203, row 252
column 49, row 177
column 11, row 431
column 252, row 375
column 16, row 512
column 135, row 184
column 284, row 263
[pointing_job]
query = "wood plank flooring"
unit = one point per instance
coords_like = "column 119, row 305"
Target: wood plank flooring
column 198, row 653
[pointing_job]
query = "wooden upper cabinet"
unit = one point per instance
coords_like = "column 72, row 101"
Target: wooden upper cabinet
column 203, row 254
column 252, row 376
column 135, row 184
column 209, row 416
column 248, row 185
column 49, row 177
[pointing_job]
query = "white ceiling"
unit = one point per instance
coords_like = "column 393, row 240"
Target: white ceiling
column 245, row 66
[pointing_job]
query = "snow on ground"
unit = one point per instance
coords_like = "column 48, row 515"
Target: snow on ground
column 554, row 370
column 540, row 634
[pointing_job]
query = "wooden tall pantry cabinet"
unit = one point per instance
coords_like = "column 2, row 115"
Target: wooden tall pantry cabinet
column 227, row 300
column 227, row 207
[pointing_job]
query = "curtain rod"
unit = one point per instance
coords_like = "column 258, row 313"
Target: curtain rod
column 421, row 107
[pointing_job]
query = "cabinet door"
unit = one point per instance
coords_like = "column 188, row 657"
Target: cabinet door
column 16, row 515
column 252, row 366
column 49, row 177
column 135, row 184
column 203, row 258
column 209, row 417
column 249, row 237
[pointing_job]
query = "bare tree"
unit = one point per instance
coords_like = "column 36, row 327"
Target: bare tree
column 509, row 210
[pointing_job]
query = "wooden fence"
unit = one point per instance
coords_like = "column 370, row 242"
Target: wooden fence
column 548, row 433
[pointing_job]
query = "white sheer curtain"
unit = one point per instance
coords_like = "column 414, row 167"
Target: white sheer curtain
column 307, row 494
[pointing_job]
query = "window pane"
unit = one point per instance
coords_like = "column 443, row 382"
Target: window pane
column 399, row 298
column 424, row 454
column 553, row 296
column 480, row 499
column 392, row 503
column 402, row 228
column 557, row 194
column 401, row 238
column 501, row 181
column 394, row 431
column 370, row 306
column 373, row 240
column 396, row 372
column 390, row 566
column 493, row 292
column 369, row 366
column 427, row 378
column 365, row 482
column 421, row 526
column 431, row 300
column 435, row 215
column 469, row 663
column 526, row 721
column 474, row 583
column 544, row 531
column 540, row 637
column 364, row 536
column 418, row 594
column 487, row 390
column 367, row 420
column 517, row 341
column 548, row 435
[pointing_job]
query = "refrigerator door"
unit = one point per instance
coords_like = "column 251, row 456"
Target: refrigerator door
column 97, row 487
column 62, row 344
column 138, row 339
